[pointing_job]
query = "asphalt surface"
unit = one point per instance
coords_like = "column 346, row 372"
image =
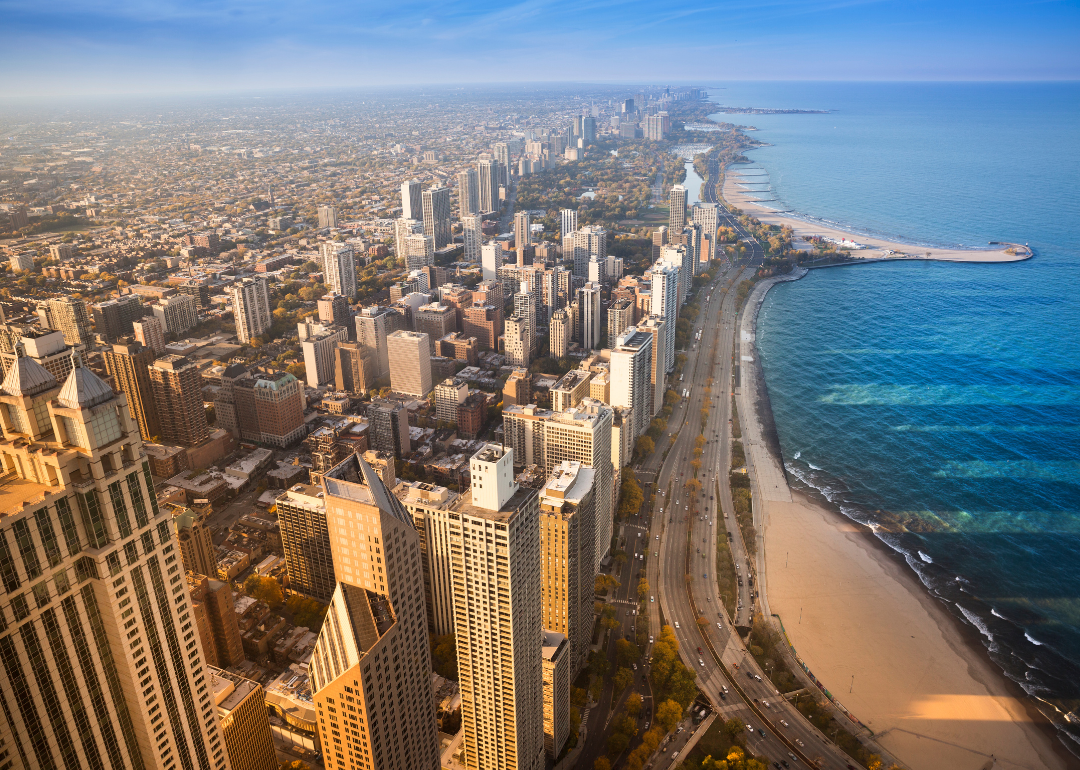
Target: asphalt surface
column 683, row 582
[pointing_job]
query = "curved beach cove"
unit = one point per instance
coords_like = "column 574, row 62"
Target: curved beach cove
column 937, row 403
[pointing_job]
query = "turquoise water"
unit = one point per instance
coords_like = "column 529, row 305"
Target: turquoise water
column 943, row 395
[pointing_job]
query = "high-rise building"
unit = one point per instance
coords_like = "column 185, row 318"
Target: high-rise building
column 339, row 268
column 516, row 341
column 502, row 155
column 176, row 314
column 198, row 290
column 318, row 343
column 592, row 328
column 113, row 318
column 545, row 438
column 556, row 654
column 129, row 364
column 570, row 389
column 305, row 540
column 335, row 309
column 411, row 205
column 213, row 599
column 623, row 437
column 419, row 251
column 522, row 231
column 196, row 541
column 327, row 217
column 94, row 588
column 21, row 262
column 371, row 669
column 657, row 327
column 525, row 308
column 373, row 325
column 620, row 316
column 67, row 315
column 241, row 708
column 631, row 375
column 659, row 240
column 177, row 387
column 497, row 617
column 559, row 333
column 518, row 388
column 676, row 257
column 436, row 321
column 665, row 303
column 567, row 545
column 472, row 238
column 429, row 506
column 403, row 228
column 410, row 363
column 707, row 215
column 588, row 128
column 586, row 244
column 251, row 308
column 436, row 203
column 677, row 210
column 489, row 174
column 568, row 220
column 491, row 255
column 468, row 193
column 269, row 407
column 354, row 368
column 654, row 127
column 485, row 323
column 389, row 427
column 449, row 394
column 149, row 332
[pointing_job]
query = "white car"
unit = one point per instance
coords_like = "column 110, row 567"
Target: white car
column 701, row 662
column 650, row 640
column 653, row 599
column 658, row 537
column 719, row 626
column 785, row 724
column 676, row 624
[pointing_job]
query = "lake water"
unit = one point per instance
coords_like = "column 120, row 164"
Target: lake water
column 945, row 396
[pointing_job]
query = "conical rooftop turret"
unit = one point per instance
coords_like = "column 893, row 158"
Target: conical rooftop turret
column 83, row 389
column 27, row 377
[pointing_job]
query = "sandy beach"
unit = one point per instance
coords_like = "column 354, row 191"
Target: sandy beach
column 870, row 631
column 875, row 248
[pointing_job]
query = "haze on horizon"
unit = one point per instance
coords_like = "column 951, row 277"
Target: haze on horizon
column 160, row 46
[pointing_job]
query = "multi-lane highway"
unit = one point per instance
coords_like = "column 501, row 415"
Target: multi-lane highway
column 682, row 539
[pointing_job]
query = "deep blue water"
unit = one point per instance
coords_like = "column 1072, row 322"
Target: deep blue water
column 945, row 395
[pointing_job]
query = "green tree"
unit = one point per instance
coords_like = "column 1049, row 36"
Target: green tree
column 264, row 589
column 668, row 714
column 626, row 652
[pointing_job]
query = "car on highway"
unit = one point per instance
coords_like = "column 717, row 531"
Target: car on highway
column 701, row 662
column 785, row 724
column 801, row 744
column 652, row 598
column 676, row 624
column 658, row 537
column 650, row 640
column 749, row 728
column 718, row 625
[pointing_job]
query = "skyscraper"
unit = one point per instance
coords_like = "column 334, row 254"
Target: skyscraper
column 67, row 315
column 665, row 303
column 545, row 438
column 492, row 260
column 559, row 333
column 522, row 232
column 419, row 251
column 305, row 539
column 707, row 215
column 371, row 669
column 150, row 333
column 678, row 258
column 410, row 363
column 335, row 309
column 113, row 317
column 411, row 205
column 567, row 549
column 556, row 654
column 327, row 217
column 502, row 155
column 98, row 669
column 487, row 171
column 657, row 327
column 339, row 268
column 436, row 321
column 215, row 599
column 403, row 228
column 176, row 314
column 129, row 364
column 592, row 328
column 586, row 244
column 196, row 542
column 389, row 422
column 373, row 325
column 251, row 308
column 468, row 193
column 177, row 387
column 430, row 507
column 497, row 618
column 318, row 342
column 677, row 211
column 631, row 376
column 472, row 238
column 568, row 220
column 525, row 309
column 354, row 368
column 436, row 204
column 485, row 323
column 516, row 343
column 241, row 707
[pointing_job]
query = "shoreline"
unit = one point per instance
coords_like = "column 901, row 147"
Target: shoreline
column 875, row 248
column 856, row 615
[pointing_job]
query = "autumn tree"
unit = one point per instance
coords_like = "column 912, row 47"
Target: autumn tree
column 668, row 714
column 264, row 589
column 642, row 588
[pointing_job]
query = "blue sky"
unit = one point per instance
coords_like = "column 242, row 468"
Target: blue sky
column 135, row 46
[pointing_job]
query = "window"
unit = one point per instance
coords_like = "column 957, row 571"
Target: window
column 104, row 426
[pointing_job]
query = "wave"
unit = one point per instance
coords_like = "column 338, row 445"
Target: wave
column 798, row 455
column 1032, row 639
column 925, row 557
column 997, row 614
column 975, row 620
